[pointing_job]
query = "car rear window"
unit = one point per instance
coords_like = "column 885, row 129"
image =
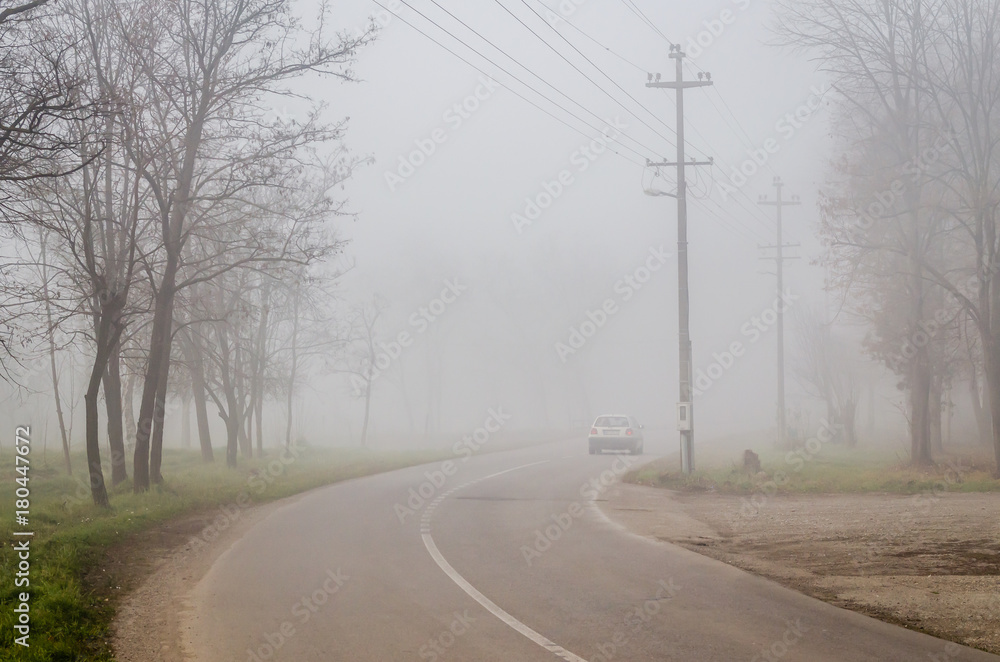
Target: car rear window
column 611, row 422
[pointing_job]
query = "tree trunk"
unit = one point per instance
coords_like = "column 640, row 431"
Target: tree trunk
column 368, row 400
column 258, row 417
column 260, row 364
column 232, row 441
column 920, row 391
column 245, row 444
column 159, row 343
column 980, row 408
column 293, row 367
column 98, row 490
column 128, row 409
column 991, row 352
column 994, row 394
column 870, row 426
column 849, row 419
column 186, row 420
column 200, row 400
column 113, row 404
column 156, row 448
column 105, row 338
column 52, row 357
column 935, row 407
column 232, row 416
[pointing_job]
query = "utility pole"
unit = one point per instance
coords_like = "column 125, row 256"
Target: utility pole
column 779, row 258
column 685, row 408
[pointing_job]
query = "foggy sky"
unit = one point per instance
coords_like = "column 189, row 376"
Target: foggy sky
column 452, row 217
column 523, row 289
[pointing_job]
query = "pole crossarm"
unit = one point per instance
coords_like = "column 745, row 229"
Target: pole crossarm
column 674, row 164
column 683, row 85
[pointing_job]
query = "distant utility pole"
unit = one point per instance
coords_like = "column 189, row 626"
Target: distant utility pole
column 779, row 258
column 685, row 408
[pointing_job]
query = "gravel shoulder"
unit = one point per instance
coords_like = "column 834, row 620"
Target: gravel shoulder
column 928, row 563
column 158, row 571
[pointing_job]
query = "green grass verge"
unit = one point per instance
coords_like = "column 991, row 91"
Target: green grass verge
column 831, row 469
column 70, row 620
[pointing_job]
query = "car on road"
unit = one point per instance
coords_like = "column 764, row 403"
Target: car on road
column 616, row 432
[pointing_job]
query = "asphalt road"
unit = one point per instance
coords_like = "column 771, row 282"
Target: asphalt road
column 505, row 558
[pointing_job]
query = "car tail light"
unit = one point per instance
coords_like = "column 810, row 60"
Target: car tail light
column 593, row 430
column 629, row 431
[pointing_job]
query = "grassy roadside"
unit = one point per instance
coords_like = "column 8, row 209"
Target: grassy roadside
column 70, row 620
column 831, row 469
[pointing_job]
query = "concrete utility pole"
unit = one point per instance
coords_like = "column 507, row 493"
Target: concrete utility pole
column 685, row 408
column 779, row 203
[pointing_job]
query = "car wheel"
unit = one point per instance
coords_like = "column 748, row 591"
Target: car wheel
column 593, row 451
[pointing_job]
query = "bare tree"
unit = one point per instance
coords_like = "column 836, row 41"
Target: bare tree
column 827, row 368
column 878, row 219
column 36, row 94
column 362, row 363
column 213, row 140
column 50, row 334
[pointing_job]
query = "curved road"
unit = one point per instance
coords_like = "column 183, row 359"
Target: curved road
column 505, row 558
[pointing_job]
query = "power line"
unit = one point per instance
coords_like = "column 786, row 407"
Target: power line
column 738, row 198
column 739, row 130
column 737, row 230
column 591, row 62
column 751, row 210
column 595, row 41
column 581, row 72
column 501, row 68
column 645, row 20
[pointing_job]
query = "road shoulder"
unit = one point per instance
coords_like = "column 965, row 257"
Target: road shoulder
column 149, row 624
column 932, row 567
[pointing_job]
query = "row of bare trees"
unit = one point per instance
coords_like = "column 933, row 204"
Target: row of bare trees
column 164, row 217
column 910, row 217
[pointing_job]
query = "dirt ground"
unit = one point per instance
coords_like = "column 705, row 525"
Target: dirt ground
column 928, row 562
column 156, row 571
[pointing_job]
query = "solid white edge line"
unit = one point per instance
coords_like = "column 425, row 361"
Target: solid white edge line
column 488, row 604
column 491, row 607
